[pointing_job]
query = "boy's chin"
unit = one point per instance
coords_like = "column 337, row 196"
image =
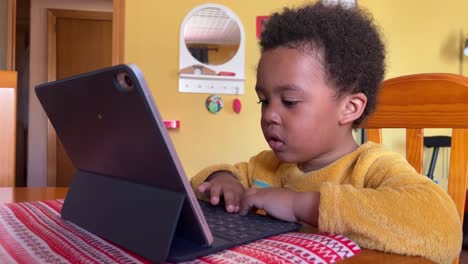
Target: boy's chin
column 285, row 157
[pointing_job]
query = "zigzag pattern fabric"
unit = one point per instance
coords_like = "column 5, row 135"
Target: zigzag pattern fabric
column 34, row 232
column 288, row 248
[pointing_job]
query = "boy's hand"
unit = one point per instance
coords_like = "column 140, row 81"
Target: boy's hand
column 225, row 184
column 283, row 204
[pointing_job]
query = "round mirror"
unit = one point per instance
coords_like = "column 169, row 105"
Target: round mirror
column 212, row 36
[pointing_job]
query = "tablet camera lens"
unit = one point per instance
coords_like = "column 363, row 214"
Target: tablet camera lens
column 124, row 81
column 128, row 81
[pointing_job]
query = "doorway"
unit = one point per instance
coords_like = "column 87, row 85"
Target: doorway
column 78, row 42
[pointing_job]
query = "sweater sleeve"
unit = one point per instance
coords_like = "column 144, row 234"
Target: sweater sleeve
column 398, row 210
column 243, row 171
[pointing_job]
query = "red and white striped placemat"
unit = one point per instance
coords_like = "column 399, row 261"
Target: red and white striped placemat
column 288, row 248
column 33, row 232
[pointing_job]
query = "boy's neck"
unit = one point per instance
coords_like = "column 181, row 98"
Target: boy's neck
column 341, row 149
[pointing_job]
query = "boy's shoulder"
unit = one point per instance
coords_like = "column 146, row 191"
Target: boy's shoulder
column 374, row 150
column 371, row 153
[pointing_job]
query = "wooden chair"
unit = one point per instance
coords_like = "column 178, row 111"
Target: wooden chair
column 8, row 84
column 434, row 100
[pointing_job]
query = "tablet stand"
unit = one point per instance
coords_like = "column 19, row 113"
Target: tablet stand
column 138, row 217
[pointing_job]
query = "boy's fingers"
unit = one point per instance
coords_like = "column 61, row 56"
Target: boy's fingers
column 245, row 208
column 230, row 201
column 237, row 201
column 246, row 205
column 250, row 191
column 251, row 199
column 204, row 187
column 215, row 193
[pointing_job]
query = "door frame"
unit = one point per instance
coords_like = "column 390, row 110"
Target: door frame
column 11, row 34
column 118, row 56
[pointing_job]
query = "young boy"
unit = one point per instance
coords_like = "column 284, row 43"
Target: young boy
column 317, row 79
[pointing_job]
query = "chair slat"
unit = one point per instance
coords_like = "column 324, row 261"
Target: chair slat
column 415, row 148
column 374, row 135
column 458, row 171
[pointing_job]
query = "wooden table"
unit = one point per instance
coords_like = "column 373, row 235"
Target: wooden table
column 26, row 194
column 23, row 194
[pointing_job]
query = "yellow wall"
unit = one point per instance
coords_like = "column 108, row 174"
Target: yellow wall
column 152, row 42
column 421, row 36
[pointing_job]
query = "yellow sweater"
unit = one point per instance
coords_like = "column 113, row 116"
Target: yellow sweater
column 372, row 195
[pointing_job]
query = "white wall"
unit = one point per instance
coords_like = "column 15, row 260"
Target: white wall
column 37, row 135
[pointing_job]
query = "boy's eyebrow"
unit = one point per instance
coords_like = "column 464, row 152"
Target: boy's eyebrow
column 282, row 88
column 290, row 87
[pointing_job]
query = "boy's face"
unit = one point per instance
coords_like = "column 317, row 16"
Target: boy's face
column 300, row 112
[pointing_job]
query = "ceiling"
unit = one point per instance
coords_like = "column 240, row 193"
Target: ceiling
column 213, row 26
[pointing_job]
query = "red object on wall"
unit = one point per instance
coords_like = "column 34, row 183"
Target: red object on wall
column 225, row 73
column 260, row 22
column 237, row 105
column 172, row 123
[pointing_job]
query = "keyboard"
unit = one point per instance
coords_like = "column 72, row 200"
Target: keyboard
column 239, row 229
column 228, row 230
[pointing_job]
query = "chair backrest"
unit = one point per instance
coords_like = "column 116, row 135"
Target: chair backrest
column 8, row 84
column 433, row 100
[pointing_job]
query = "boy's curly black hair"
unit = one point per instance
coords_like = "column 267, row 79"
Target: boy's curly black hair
column 345, row 39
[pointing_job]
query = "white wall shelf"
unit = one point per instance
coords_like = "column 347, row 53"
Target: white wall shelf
column 211, row 85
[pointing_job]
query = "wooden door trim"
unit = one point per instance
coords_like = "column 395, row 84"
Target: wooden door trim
column 11, row 34
column 118, row 32
column 81, row 14
column 118, row 28
column 51, row 76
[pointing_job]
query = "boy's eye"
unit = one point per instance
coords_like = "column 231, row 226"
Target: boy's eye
column 289, row 103
column 262, row 101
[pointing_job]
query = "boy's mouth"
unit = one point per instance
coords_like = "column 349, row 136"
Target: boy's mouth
column 275, row 143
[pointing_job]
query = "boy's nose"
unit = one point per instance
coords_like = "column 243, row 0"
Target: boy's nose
column 270, row 116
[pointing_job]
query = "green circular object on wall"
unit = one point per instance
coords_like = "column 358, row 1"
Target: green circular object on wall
column 214, row 104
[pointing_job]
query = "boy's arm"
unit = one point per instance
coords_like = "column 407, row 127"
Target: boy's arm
column 221, row 181
column 264, row 163
column 399, row 210
column 239, row 171
column 243, row 171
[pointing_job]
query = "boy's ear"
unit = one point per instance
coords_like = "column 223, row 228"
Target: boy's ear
column 353, row 107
